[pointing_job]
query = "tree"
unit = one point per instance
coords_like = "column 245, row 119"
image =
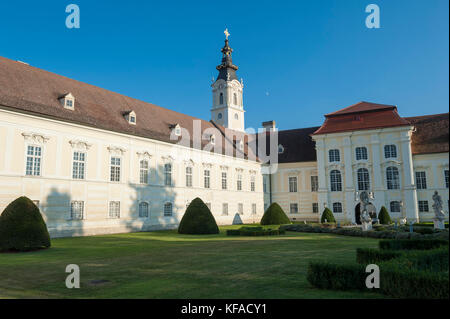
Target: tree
column 198, row 219
column 383, row 216
column 22, row 227
column 274, row 215
column 327, row 216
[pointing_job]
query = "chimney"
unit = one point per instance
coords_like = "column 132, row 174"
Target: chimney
column 269, row 126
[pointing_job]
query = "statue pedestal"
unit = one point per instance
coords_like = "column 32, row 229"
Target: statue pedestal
column 366, row 226
column 438, row 223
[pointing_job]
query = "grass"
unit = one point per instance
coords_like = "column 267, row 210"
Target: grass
column 165, row 264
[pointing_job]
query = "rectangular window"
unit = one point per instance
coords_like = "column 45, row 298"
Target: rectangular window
column 241, row 209
column 421, row 180
column 292, row 184
column 239, row 182
column 265, row 184
column 207, row 178
column 314, row 183
column 334, row 156
column 76, row 209
column 168, row 209
column 168, row 174
column 143, row 172
column 390, row 151
column 224, row 180
column 253, row 209
column 79, row 164
column 225, row 209
column 252, row 183
column 115, row 169
column 293, row 208
column 337, row 208
column 446, row 178
column 143, row 209
column 361, row 153
column 423, row 206
column 188, row 176
column 34, row 155
column 315, row 207
column 395, row 206
column 114, row 209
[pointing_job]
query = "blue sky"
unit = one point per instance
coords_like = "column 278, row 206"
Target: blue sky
column 299, row 59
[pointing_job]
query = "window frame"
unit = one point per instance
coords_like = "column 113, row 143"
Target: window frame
column 34, row 157
column 393, row 181
column 390, row 151
column 291, row 210
column 393, row 207
column 78, row 162
column 111, row 213
column 117, row 168
column 423, row 206
column 224, row 209
column 293, row 186
column 314, row 183
column 421, row 180
column 168, row 169
column 144, row 172
column 361, row 153
column 207, row 178
column 335, row 181
column 147, row 213
column 334, row 155
column 363, row 179
column 337, row 205
column 72, row 213
column 189, row 176
column 239, row 182
column 224, row 180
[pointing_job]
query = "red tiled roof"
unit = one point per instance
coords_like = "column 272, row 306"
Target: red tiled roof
column 27, row 89
column 361, row 116
column 431, row 133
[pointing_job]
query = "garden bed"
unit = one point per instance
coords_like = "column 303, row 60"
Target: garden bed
column 255, row 231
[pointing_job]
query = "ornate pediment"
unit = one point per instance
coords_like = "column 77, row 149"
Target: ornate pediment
column 79, row 144
column 35, row 137
column 144, row 154
column 116, row 150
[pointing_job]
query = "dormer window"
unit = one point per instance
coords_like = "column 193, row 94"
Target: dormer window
column 176, row 129
column 67, row 101
column 241, row 145
column 130, row 116
column 280, row 149
column 212, row 139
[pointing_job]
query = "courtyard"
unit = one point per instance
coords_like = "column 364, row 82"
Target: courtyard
column 165, row 264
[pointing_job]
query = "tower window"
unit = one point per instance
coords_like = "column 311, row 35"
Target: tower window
column 219, row 116
column 235, row 99
column 221, row 99
column 236, row 116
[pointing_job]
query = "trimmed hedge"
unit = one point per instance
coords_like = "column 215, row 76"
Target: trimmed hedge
column 402, row 244
column 254, row 231
column 198, row 220
column 274, row 215
column 429, row 224
column 374, row 256
column 22, row 227
column 412, row 274
column 327, row 216
column 384, row 217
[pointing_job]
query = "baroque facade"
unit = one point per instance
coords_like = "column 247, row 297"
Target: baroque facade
column 98, row 162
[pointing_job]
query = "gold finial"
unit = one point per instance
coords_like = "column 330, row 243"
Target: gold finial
column 227, row 34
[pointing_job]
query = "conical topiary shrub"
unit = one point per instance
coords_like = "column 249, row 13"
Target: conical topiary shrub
column 22, row 227
column 274, row 215
column 327, row 216
column 198, row 220
column 383, row 216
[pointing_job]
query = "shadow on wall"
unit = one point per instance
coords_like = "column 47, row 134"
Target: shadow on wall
column 237, row 219
column 150, row 202
column 56, row 211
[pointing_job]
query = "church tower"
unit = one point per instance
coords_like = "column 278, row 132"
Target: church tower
column 227, row 108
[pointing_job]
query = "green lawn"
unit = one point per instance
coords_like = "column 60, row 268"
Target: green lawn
column 165, row 264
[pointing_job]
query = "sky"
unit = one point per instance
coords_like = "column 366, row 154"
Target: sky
column 298, row 59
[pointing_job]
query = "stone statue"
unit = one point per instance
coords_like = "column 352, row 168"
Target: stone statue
column 366, row 209
column 439, row 215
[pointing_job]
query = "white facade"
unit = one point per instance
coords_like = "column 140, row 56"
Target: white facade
column 228, row 107
column 111, row 183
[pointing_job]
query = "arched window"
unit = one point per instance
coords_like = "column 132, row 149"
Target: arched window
column 392, row 178
column 143, row 209
column 235, row 99
column 361, row 153
column 390, row 151
column 333, row 156
column 236, row 116
column 335, row 181
column 221, row 98
column 395, row 207
column 219, row 116
column 168, row 209
column 143, row 172
column 168, row 174
column 337, row 208
column 363, row 179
